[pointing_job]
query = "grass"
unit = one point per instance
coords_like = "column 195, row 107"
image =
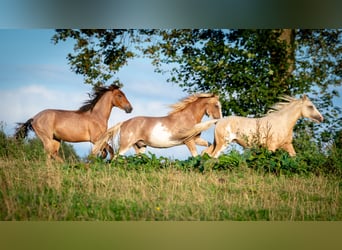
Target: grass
column 150, row 188
column 254, row 185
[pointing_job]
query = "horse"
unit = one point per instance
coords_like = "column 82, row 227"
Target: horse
column 87, row 123
column 273, row 131
column 166, row 131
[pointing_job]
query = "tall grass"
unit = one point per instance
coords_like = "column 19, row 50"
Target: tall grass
column 255, row 185
column 99, row 191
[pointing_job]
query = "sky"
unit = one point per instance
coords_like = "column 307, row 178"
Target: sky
column 35, row 75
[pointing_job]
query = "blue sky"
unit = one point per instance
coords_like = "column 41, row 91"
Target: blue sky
column 35, row 75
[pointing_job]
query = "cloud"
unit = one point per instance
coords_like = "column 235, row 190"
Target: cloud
column 20, row 104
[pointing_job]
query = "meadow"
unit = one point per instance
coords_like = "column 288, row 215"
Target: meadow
column 253, row 185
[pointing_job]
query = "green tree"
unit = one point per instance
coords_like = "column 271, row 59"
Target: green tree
column 249, row 69
column 98, row 54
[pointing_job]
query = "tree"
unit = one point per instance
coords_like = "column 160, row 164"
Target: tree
column 99, row 54
column 249, row 69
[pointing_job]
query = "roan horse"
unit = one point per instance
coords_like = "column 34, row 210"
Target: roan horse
column 166, row 131
column 272, row 131
column 86, row 124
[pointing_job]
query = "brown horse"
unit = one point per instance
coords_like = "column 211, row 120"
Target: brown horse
column 86, row 124
column 272, row 131
column 166, row 131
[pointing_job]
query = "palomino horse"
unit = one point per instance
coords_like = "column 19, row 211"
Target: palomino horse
column 166, row 131
column 86, row 124
column 272, row 131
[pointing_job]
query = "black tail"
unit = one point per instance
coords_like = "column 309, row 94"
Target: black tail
column 23, row 128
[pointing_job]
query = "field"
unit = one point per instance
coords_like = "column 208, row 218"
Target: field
column 151, row 188
column 253, row 185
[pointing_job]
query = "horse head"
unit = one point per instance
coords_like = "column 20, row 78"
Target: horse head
column 310, row 111
column 213, row 108
column 119, row 100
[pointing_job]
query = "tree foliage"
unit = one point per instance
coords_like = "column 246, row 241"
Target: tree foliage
column 98, row 54
column 249, row 69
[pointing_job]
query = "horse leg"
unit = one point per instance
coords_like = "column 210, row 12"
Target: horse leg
column 289, row 148
column 201, row 142
column 54, row 150
column 107, row 149
column 139, row 149
column 192, row 147
column 209, row 150
column 51, row 146
column 222, row 138
column 124, row 146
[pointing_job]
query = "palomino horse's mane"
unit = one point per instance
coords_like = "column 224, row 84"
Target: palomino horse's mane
column 183, row 103
column 95, row 97
column 280, row 105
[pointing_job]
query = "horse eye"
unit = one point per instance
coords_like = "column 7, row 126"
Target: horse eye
column 310, row 107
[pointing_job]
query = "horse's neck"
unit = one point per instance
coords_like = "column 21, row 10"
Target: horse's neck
column 290, row 115
column 103, row 107
column 195, row 110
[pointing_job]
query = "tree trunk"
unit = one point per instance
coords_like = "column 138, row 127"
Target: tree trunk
column 285, row 61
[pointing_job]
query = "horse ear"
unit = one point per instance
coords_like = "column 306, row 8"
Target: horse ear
column 305, row 97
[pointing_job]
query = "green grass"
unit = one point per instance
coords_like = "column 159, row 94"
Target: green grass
column 151, row 188
column 254, row 185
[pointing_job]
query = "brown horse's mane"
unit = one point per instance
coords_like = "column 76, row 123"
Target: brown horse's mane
column 95, row 97
column 183, row 103
column 281, row 105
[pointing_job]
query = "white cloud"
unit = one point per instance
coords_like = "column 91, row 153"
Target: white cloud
column 20, row 104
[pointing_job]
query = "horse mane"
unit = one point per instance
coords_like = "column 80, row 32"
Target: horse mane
column 98, row 92
column 183, row 103
column 281, row 105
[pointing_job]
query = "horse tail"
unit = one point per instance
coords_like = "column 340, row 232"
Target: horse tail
column 103, row 140
column 22, row 129
column 197, row 129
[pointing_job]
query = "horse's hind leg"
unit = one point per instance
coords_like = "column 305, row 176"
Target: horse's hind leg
column 51, row 146
column 54, row 150
column 139, row 147
column 222, row 138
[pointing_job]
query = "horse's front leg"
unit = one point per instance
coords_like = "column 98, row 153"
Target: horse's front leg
column 192, row 147
column 108, row 148
column 289, row 148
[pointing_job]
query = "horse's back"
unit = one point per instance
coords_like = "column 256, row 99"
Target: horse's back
column 52, row 115
column 65, row 125
column 236, row 123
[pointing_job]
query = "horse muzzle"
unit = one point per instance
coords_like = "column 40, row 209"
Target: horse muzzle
column 128, row 109
column 318, row 119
